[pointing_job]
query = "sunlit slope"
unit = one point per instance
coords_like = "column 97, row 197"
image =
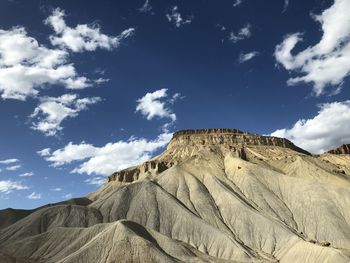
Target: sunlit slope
column 213, row 196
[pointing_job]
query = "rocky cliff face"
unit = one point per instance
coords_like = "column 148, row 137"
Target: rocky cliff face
column 344, row 149
column 228, row 138
column 186, row 143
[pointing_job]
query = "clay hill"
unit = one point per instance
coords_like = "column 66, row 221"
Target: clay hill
column 214, row 195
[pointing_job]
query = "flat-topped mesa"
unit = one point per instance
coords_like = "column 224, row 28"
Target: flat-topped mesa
column 344, row 149
column 227, row 137
column 185, row 143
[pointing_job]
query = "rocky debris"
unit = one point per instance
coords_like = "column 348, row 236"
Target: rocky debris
column 325, row 243
column 344, row 149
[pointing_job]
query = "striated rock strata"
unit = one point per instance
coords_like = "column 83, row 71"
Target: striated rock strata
column 187, row 142
column 344, row 149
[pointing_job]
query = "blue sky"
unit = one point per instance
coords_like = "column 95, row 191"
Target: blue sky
column 91, row 87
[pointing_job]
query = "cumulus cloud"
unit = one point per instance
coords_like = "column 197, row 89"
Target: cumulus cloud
column 328, row 62
column 83, row 37
column 176, row 18
column 108, row 158
column 154, row 104
column 34, row 196
column 28, row 174
column 50, row 113
column 243, row 33
column 9, row 161
column 9, row 186
column 26, row 66
column 244, row 57
column 327, row 130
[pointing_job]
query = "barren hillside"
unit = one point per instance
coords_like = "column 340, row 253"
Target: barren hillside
column 214, row 195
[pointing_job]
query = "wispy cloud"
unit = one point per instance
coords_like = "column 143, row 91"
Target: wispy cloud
column 243, row 33
column 176, row 18
column 13, row 167
column 8, row 186
column 237, row 3
column 68, row 196
column 98, row 181
column 34, row 196
column 9, row 161
column 146, row 8
column 244, row 57
column 28, row 174
column 285, row 5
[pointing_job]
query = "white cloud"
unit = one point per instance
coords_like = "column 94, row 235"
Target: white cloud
column 34, row 196
column 8, row 186
column 176, row 18
column 329, row 129
column 29, row 174
column 13, row 168
column 68, row 196
column 146, row 7
column 244, row 57
column 71, row 152
column 57, row 189
column 26, row 66
column 83, row 37
column 9, row 161
column 237, row 3
column 51, row 112
column 327, row 62
column 108, row 158
column 285, row 5
column 44, row 152
column 243, row 33
column 98, row 181
column 155, row 105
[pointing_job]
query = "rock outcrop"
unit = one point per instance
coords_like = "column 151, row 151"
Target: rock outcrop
column 186, row 143
column 344, row 149
column 214, row 195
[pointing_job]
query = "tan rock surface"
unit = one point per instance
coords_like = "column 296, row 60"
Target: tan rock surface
column 214, row 195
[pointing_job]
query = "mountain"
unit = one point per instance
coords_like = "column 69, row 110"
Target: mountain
column 214, row 195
